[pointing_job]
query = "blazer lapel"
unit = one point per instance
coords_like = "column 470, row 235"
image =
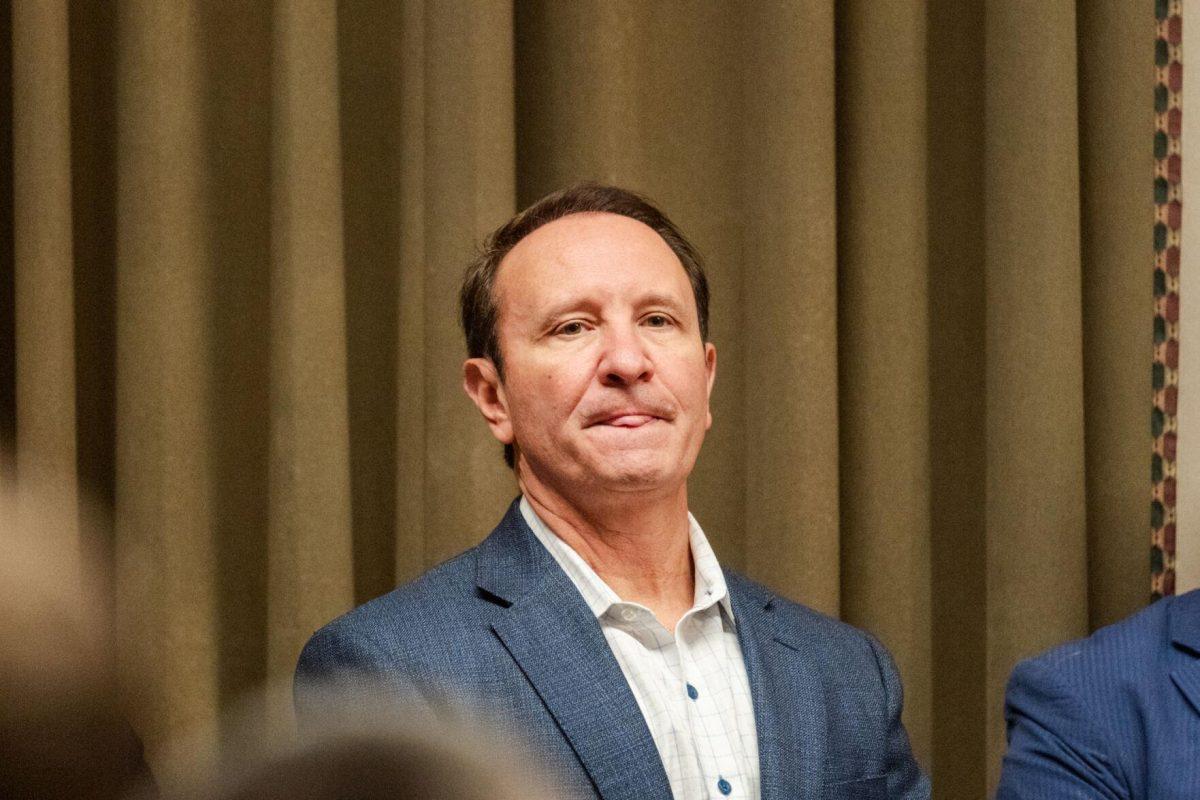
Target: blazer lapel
column 1184, row 622
column 556, row 641
column 789, row 709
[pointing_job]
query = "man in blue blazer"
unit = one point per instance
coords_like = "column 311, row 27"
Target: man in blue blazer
column 1113, row 716
column 595, row 623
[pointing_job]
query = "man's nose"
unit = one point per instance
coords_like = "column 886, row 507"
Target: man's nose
column 625, row 359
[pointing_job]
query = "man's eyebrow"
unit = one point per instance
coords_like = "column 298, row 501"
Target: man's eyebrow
column 564, row 306
column 660, row 300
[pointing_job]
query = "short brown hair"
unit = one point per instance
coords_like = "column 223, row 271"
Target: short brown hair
column 477, row 299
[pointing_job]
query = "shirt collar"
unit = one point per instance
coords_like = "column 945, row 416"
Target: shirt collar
column 709, row 579
column 599, row 596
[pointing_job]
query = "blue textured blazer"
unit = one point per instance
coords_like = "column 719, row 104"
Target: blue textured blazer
column 1116, row 715
column 502, row 629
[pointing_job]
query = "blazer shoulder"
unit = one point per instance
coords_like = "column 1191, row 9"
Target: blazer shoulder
column 1085, row 714
column 448, row 583
column 389, row 625
column 1121, row 669
column 1122, row 654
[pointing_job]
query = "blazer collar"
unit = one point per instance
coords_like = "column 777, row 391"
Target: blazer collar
column 511, row 563
column 557, row 642
column 789, row 711
column 1183, row 621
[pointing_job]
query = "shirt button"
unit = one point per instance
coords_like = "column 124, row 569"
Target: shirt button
column 723, row 786
column 629, row 615
column 692, row 693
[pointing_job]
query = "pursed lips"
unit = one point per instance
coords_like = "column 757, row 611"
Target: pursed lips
column 626, row 419
column 629, row 420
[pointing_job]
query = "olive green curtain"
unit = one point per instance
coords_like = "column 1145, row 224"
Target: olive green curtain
column 236, row 235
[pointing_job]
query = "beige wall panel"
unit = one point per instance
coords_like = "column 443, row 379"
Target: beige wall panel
column 310, row 569
column 883, row 340
column 42, row 238
column 600, row 96
column 1117, row 158
column 469, row 190
column 164, row 551
column 788, row 314
column 1036, row 527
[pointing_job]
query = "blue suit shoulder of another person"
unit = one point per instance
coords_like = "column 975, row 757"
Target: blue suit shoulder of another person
column 502, row 631
column 1115, row 715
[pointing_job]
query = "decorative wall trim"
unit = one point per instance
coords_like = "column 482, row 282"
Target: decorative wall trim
column 1168, row 219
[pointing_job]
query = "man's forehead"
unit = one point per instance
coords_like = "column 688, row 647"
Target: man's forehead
column 590, row 244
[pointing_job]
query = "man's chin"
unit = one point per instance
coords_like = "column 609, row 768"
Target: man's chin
column 623, row 471
column 635, row 472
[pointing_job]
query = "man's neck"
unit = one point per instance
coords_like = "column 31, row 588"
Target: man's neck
column 639, row 545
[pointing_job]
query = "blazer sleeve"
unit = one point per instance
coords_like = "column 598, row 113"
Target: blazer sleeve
column 1055, row 752
column 904, row 777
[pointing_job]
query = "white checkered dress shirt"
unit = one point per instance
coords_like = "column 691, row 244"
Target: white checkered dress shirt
column 691, row 685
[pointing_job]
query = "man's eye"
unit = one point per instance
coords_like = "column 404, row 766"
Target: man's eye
column 658, row 320
column 570, row 328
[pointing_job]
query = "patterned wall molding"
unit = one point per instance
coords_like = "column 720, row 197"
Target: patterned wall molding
column 1165, row 370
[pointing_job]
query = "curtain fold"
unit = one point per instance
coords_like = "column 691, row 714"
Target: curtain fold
column 371, row 115
column 166, row 603
column 243, row 358
column 237, row 238
column 43, row 293
column 469, row 187
column 955, row 112
column 1035, row 517
column 784, row 320
column 883, row 330
column 310, row 564
column 1115, row 155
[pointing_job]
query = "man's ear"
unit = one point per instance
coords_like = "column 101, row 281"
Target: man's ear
column 482, row 384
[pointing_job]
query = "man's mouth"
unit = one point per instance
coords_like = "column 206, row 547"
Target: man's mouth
column 632, row 417
column 629, row 420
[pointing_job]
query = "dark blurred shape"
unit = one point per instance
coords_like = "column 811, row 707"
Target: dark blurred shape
column 389, row 751
column 62, row 734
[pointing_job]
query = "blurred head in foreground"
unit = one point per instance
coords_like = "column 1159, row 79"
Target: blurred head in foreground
column 61, row 731
column 354, row 753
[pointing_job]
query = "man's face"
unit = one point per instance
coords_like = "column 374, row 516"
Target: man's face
column 606, row 378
